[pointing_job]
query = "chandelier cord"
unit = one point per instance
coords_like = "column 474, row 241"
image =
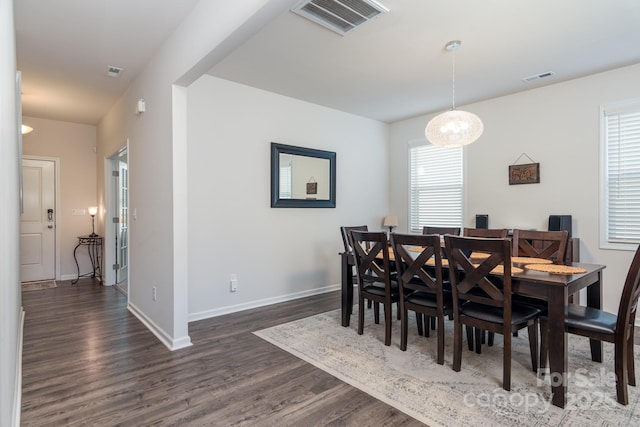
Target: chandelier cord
column 453, row 83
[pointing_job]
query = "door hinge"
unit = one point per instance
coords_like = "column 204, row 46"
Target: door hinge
column 116, row 219
column 115, row 173
column 116, row 266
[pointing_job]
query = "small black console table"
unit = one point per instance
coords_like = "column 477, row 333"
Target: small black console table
column 94, row 247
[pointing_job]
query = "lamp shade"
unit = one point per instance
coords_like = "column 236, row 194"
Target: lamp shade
column 390, row 221
column 26, row 129
column 93, row 210
column 454, row 128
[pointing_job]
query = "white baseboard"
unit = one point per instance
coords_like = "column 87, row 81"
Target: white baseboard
column 68, row 277
column 17, row 405
column 171, row 343
column 193, row 317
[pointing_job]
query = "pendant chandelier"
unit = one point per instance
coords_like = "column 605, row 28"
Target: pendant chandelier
column 454, row 128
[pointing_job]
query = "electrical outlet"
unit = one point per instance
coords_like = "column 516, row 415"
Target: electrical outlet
column 155, row 293
column 233, row 282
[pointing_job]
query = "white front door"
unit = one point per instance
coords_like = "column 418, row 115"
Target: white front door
column 38, row 221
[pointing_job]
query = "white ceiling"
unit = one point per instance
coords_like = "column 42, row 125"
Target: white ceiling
column 391, row 68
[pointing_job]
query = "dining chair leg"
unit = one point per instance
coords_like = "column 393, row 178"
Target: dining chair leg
column 457, row 345
column 433, row 323
column 398, row 310
column 387, row 324
column 427, row 323
column 491, row 338
column 620, row 356
column 404, row 326
column 469, row 330
column 376, row 313
column 631, row 368
column 533, row 345
column 440, row 332
column 506, row 363
column 478, row 339
column 361, row 315
column 419, row 323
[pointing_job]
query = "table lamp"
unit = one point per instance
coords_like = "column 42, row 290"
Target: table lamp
column 390, row 221
column 93, row 210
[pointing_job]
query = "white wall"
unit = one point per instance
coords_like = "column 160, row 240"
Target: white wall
column 157, row 156
column 557, row 126
column 275, row 253
column 73, row 145
column 10, row 297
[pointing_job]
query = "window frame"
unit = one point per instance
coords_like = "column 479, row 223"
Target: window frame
column 423, row 142
column 607, row 110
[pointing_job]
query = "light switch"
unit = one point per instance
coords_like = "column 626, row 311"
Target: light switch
column 78, row 211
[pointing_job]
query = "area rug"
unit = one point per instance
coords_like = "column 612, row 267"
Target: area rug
column 415, row 384
column 36, row 286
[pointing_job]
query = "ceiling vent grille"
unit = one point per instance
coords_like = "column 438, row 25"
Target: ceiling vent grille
column 341, row 16
column 113, row 71
column 538, row 77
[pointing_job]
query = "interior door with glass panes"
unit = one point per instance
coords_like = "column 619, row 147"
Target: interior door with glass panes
column 122, row 229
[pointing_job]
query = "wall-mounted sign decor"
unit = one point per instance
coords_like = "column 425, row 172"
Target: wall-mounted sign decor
column 528, row 173
column 312, row 186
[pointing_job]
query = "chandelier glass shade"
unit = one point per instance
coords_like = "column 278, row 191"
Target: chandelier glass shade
column 454, row 128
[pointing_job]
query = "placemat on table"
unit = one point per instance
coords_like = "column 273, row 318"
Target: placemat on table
column 530, row 260
column 555, row 268
column 479, row 255
column 432, row 261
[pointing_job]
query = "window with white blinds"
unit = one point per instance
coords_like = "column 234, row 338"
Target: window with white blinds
column 435, row 186
column 620, row 199
column 285, row 181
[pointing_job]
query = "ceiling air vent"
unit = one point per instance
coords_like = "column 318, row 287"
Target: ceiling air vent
column 538, row 77
column 340, row 16
column 113, row 71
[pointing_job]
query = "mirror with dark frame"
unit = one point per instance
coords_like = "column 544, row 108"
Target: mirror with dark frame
column 302, row 177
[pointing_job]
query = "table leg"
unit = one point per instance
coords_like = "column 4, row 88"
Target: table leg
column 558, row 347
column 594, row 299
column 77, row 265
column 347, row 289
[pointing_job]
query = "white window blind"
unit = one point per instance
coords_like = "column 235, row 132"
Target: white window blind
column 285, row 181
column 435, row 187
column 621, row 139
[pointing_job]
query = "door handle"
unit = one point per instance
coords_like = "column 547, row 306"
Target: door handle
column 50, row 215
column 49, row 226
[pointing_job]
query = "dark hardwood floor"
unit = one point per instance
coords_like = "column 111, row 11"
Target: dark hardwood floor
column 88, row 361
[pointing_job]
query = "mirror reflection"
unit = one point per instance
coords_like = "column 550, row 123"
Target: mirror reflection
column 302, row 177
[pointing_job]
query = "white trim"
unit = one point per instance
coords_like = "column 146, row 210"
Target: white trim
column 171, row 343
column 58, row 197
column 17, row 406
column 193, row 317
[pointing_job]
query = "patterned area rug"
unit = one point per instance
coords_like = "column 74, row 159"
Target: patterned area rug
column 36, row 286
column 415, row 384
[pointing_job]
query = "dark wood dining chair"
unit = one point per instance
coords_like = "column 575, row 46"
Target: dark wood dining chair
column 419, row 264
column 604, row 326
column 541, row 244
column 482, row 298
column 492, row 233
column 348, row 247
column 374, row 276
column 441, row 230
column 346, row 238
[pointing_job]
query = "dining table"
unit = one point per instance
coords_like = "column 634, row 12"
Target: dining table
column 553, row 288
